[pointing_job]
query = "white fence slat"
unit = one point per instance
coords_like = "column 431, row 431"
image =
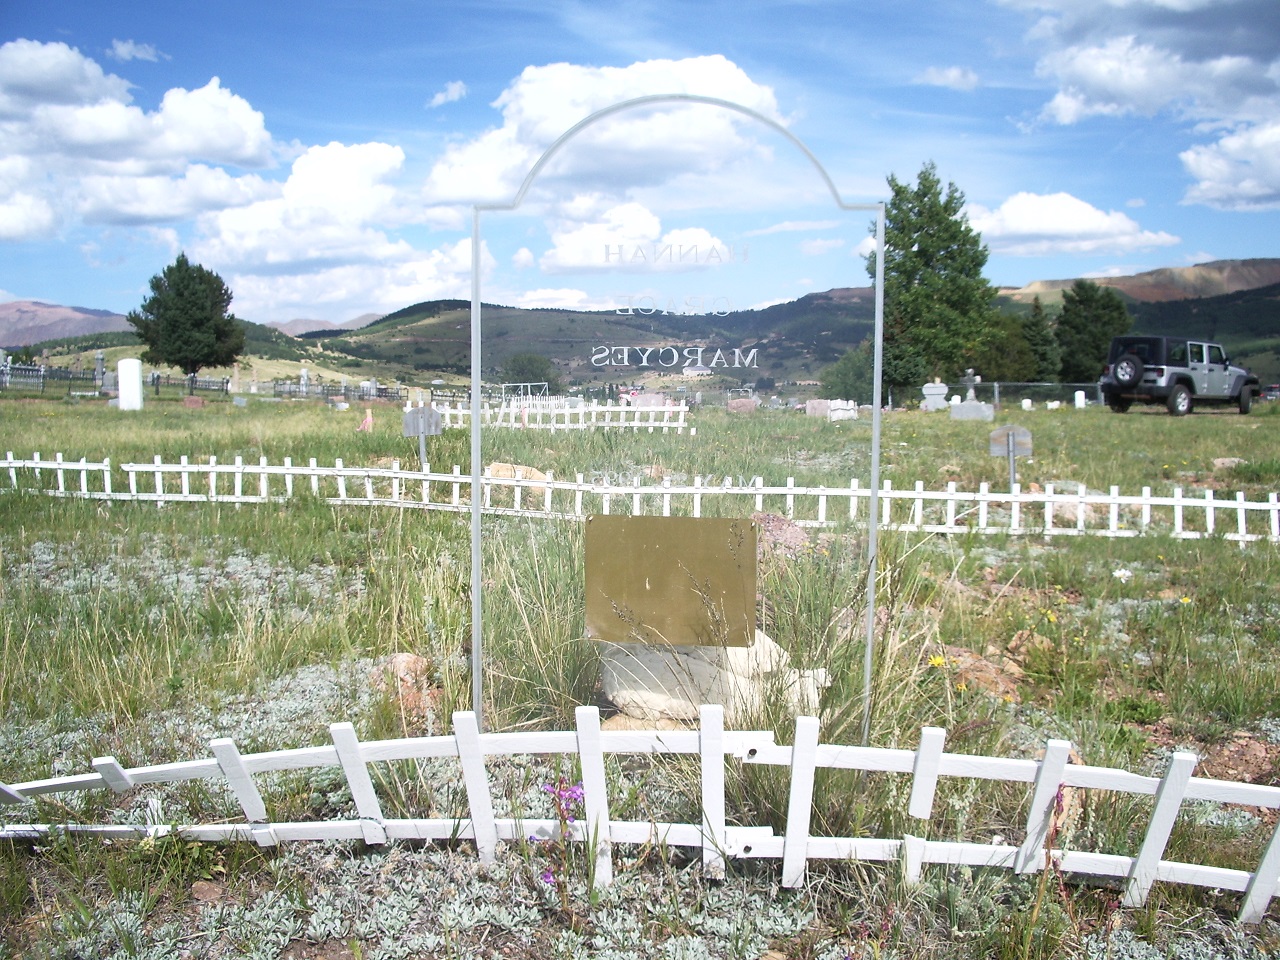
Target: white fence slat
column 1262, row 885
column 115, row 776
column 913, row 850
column 800, row 803
column 358, row 779
column 476, row 780
column 711, row 724
column 595, row 795
column 924, row 781
column 1168, row 801
column 238, row 778
column 10, row 795
column 1043, row 803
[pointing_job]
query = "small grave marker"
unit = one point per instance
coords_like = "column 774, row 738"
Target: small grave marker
column 1011, row 441
column 422, row 422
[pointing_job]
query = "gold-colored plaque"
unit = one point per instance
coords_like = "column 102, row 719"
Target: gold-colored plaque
column 679, row 580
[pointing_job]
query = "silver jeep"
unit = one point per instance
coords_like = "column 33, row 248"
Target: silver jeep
column 1174, row 371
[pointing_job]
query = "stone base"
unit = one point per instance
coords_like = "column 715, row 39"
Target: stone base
column 973, row 410
column 666, row 682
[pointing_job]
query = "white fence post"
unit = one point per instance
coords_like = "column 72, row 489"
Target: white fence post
column 475, row 777
column 595, row 796
column 372, row 823
column 804, row 756
column 711, row 749
column 1044, row 801
column 1168, row 801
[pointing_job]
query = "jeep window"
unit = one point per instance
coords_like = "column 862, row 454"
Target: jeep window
column 1197, row 352
column 1146, row 349
column 1216, row 355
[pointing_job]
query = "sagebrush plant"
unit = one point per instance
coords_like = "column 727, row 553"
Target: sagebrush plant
column 141, row 632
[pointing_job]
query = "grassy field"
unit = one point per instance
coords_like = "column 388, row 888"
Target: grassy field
column 142, row 633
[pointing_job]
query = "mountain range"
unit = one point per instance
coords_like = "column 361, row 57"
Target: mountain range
column 1234, row 301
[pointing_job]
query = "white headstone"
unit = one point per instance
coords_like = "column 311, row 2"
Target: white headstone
column 129, row 374
column 935, row 396
column 1026, row 403
column 1080, row 402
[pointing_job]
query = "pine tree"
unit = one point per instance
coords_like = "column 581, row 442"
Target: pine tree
column 939, row 308
column 185, row 321
column 1091, row 316
column 1038, row 333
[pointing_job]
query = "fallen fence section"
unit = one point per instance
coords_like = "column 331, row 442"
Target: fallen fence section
column 715, row 836
column 530, row 493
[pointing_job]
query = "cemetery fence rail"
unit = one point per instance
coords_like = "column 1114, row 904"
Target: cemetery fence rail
column 718, row 837
column 525, row 492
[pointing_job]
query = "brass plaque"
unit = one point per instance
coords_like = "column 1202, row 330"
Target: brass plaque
column 680, row 580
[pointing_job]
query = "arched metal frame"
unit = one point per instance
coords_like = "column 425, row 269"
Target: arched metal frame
column 477, row 677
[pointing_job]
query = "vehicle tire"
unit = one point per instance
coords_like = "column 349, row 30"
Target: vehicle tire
column 1128, row 370
column 1179, row 400
column 1119, row 404
column 1246, row 399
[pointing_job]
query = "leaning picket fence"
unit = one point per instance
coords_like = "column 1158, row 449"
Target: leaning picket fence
column 1049, row 512
column 715, row 836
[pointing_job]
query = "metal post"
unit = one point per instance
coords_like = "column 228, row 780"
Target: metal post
column 477, row 688
column 873, row 512
column 1013, row 474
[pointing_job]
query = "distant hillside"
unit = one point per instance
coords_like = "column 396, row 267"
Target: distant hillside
column 302, row 327
column 1171, row 283
column 24, row 322
column 1246, row 322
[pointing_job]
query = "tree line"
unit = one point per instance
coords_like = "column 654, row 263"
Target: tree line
column 940, row 314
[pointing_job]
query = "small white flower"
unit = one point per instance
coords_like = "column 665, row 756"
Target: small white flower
column 1123, row 575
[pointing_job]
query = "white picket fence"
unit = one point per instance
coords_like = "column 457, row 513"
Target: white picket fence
column 1048, row 512
column 716, row 835
column 552, row 414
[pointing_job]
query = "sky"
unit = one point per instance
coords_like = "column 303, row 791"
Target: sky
column 334, row 158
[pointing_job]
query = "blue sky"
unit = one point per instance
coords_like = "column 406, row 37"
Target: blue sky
column 324, row 158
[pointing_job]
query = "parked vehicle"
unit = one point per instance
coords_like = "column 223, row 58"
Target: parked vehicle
column 1174, row 371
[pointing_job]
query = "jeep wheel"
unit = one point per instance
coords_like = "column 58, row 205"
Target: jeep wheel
column 1246, row 399
column 1119, row 404
column 1128, row 370
column 1180, row 400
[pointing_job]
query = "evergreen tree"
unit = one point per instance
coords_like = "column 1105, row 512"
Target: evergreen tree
column 185, row 322
column 1091, row 316
column 1005, row 354
column 531, row 368
column 850, row 377
column 1038, row 333
column 938, row 306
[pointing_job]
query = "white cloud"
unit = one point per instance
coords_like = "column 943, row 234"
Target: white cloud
column 563, row 299
column 1239, row 172
column 635, row 147
column 325, row 213
column 118, row 199
column 795, row 226
column 24, row 216
column 343, row 289
column 628, row 236
column 126, row 50
column 816, row 248
column 954, row 78
column 1029, row 224
column 39, row 74
column 523, row 258
column 453, row 91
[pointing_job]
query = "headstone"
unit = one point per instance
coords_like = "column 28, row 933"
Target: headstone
column 99, row 366
column 240, row 401
column 129, row 373
column 194, row 403
column 973, row 410
column 935, row 396
column 235, row 377
column 1027, row 404
column 843, row 410
column 743, row 405
column 817, row 408
column 304, row 379
column 1080, row 400
column 110, row 382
